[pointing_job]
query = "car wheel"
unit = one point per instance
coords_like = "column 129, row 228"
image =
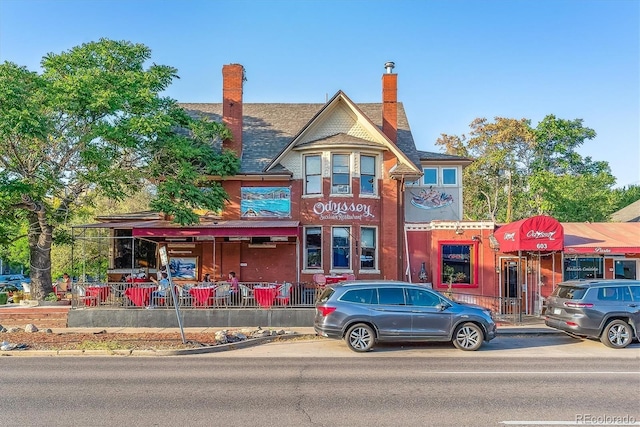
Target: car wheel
column 360, row 337
column 468, row 337
column 617, row 334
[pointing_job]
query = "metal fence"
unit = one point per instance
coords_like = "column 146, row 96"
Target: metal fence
column 249, row 295
column 502, row 308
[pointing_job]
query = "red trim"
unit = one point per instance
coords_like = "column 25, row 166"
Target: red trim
column 474, row 252
column 604, row 250
column 216, row 232
column 538, row 233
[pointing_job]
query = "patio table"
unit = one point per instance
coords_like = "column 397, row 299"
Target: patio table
column 265, row 295
column 335, row 279
column 140, row 295
column 96, row 294
column 203, row 295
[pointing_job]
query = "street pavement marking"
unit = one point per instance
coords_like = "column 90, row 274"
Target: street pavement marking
column 534, row 373
column 566, row 423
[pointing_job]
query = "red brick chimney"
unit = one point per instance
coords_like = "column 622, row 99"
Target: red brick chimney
column 232, row 80
column 390, row 103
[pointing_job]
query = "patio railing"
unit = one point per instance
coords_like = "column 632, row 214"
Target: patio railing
column 190, row 296
column 502, row 308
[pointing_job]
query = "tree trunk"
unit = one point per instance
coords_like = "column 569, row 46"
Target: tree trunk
column 40, row 237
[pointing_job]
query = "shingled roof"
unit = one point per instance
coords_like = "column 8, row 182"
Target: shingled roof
column 268, row 128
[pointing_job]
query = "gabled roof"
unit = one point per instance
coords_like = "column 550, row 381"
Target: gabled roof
column 629, row 213
column 341, row 100
column 269, row 128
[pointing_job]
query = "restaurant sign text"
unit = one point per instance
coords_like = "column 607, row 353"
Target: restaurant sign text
column 342, row 210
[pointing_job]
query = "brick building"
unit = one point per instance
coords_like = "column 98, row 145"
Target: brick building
column 323, row 188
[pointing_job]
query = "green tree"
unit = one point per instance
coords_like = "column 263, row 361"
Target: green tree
column 94, row 123
column 626, row 196
column 493, row 182
column 579, row 198
column 519, row 171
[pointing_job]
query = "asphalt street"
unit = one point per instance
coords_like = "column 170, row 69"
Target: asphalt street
column 431, row 387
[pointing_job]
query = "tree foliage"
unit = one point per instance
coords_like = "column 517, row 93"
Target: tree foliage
column 94, row 123
column 520, row 171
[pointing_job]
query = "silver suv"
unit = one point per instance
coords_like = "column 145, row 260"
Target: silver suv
column 604, row 309
column 364, row 312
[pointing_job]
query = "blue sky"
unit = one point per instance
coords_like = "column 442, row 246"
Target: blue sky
column 456, row 60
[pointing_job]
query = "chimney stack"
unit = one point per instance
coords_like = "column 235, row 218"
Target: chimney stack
column 232, row 81
column 390, row 103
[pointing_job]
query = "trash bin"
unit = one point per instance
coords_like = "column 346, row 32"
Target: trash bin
column 3, row 298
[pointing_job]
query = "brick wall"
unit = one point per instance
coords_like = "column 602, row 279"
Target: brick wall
column 42, row 317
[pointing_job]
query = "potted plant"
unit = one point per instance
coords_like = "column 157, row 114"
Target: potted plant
column 451, row 276
column 17, row 296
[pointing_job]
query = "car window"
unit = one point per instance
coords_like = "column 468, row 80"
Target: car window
column 569, row 292
column 635, row 291
column 618, row 293
column 422, row 298
column 324, row 297
column 391, row 296
column 362, row 296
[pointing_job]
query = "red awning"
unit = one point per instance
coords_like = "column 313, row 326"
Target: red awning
column 538, row 233
column 601, row 237
column 236, row 228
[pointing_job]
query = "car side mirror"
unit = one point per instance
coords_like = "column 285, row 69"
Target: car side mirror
column 443, row 306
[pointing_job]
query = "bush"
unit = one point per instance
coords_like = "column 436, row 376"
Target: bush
column 51, row 297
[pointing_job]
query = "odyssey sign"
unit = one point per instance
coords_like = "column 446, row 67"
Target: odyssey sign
column 342, row 210
column 532, row 234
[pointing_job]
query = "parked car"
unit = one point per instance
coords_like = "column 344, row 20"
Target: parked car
column 608, row 310
column 365, row 312
column 15, row 280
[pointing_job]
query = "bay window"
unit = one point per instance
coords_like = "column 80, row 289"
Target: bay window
column 367, row 174
column 340, row 174
column 313, row 174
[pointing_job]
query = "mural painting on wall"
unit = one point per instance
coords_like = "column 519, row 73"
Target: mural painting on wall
column 183, row 268
column 265, row 202
column 427, row 204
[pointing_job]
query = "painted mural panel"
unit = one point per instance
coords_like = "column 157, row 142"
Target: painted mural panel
column 423, row 204
column 265, row 202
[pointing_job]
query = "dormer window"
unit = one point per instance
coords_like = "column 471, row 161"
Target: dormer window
column 340, row 174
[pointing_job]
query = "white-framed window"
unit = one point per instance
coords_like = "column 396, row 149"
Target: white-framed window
column 369, row 248
column 430, row 176
column 340, row 174
column 449, row 176
column 367, row 174
column 340, row 247
column 313, row 174
column 313, row 248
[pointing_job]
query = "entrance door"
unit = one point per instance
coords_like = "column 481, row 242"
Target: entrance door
column 512, row 280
